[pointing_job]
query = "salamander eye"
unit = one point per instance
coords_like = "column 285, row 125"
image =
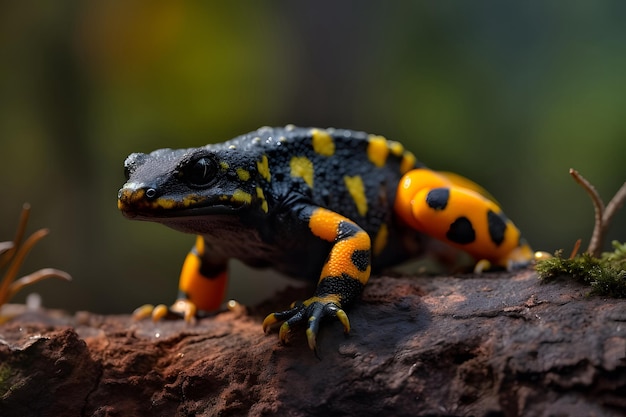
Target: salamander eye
column 200, row 172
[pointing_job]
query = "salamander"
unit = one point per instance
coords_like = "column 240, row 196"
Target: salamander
column 331, row 206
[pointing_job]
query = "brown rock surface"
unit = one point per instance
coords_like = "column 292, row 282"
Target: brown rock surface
column 492, row 345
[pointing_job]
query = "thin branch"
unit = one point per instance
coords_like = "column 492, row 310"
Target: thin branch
column 5, row 246
column 615, row 204
column 595, row 244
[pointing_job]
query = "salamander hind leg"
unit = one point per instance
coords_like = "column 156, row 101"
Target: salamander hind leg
column 343, row 276
column 459, row 212
column 201, row 288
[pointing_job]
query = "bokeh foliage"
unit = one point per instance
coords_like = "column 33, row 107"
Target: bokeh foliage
column 511, row 95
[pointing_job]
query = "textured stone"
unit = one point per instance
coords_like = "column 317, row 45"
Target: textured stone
column 489, row 345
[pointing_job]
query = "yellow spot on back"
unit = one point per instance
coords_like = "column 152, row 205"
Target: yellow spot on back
column 241, row 196
column 243, row 174
column 357, row 191
column 322, row 142
column 377, row 150
column 302, row 167
column 224, row 165
column 407, row 163
column 261, row 196
column 396, row 148
column 380, row 241
column 264, row 168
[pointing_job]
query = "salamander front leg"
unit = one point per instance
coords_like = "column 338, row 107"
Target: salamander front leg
column 345, row 273
column 201, row 288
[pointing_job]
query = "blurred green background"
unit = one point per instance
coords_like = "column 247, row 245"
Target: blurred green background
column 511, row 95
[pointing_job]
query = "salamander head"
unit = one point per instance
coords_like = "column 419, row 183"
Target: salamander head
column 179, row 183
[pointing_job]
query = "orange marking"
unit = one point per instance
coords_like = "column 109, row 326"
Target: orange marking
column 412, row 208
column 340, row 258
column 207, row 293
column 408, row 187
column 324, row 224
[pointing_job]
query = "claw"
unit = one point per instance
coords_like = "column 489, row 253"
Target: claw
column 313, row 310
column 283, row 332
column 343, row 319
column 159, row 312
column 482, row 266
column 143, row 312
column 541, row 255
column 314, row 323
column 184, row 308
column 311, row 338
column 269, row 321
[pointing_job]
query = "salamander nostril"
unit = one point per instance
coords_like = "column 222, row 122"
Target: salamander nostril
column 151, row 193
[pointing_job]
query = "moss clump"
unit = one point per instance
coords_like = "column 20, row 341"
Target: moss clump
column 5, row 375
column 606, row 275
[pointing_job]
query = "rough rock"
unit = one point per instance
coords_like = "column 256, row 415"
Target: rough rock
column 489, row 345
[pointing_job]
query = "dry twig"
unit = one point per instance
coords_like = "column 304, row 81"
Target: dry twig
column 603, row 215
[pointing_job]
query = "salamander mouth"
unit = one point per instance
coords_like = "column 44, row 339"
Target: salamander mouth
column 138, row 204
column 178, row 213
column 207, row 220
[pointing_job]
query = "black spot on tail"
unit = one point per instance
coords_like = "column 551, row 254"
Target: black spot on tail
column 497, row 227
column 437, row 198
column 461, row 231
column 361, row 259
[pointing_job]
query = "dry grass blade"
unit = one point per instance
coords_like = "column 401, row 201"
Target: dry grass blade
column 12, row 255
column 16, row 262
column 575, row 249
column 7, row 255
column 36, row 277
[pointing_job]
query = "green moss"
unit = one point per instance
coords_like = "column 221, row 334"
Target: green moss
column 605, row 275
column 5, row 375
